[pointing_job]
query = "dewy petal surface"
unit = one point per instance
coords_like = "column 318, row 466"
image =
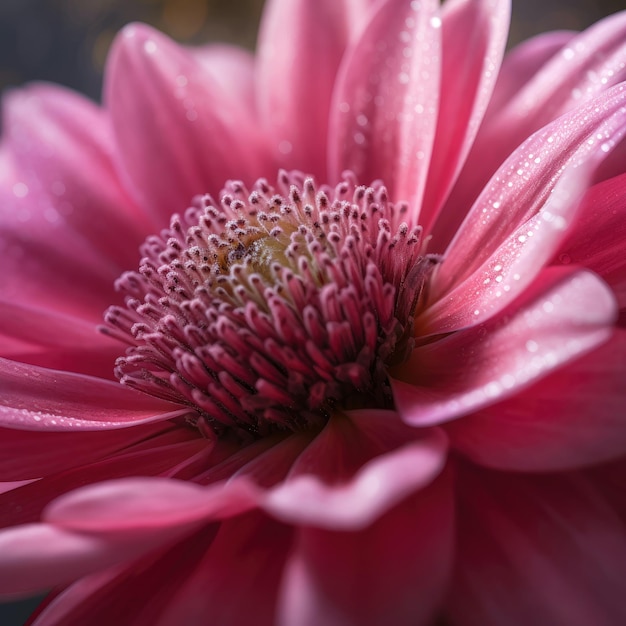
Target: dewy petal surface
column 35, row 398
column 588, row 64
column 301, row 44
column 474, row 34
column 549, row 427
column 596, row 239
column 162, row 102
column 551, row 325
column 515, row 227
column 384, row 109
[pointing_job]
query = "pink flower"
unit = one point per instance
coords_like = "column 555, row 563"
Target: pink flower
column 395, row 403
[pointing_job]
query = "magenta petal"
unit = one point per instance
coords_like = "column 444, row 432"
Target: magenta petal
column 597, row 238
column 301, row 44
column 588, row 65
column 33, row 453
column 562, row 316
column 362, row 494
column 27, row 503
column 392, row 572
column 541, row 550
column 35, row 398
column 550, row 428
column 130, row 504
column 384, row 109
column 515, row 227
column 55, row 340
column 474, row 37
column 34, row 557
column 216, row 592
column 203, row 584
column 164, row 105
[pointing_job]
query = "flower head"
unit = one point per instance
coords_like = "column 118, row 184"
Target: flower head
column 364, row 295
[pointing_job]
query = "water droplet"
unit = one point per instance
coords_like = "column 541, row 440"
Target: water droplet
column 532, row 346
column 20, row 190
column 285, row 147
column 565, row 259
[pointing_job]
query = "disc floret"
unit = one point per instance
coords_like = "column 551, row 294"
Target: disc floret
column 274, row 306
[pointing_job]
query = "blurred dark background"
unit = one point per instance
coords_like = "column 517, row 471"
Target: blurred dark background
column 66, row 41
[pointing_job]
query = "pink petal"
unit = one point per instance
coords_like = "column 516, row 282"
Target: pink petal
column 384, row 110
column 202, row 584
column 474, row 36
column 55, row 340
column 539, row 550
column 392, row 572
column 563, row 315
column 366, row 487
column 178, row 134
column 38, row 556
column 597, row 238
column 26, row 504
column 520, row 219
column 300, row 46
column 35, row 398
column 62, row 146
column 31, row 454
column 589, row 65
column 232, row 68
column 64, row 202
column 571, row 418
column 213, row 592
column 132, row 504
column 523, row 62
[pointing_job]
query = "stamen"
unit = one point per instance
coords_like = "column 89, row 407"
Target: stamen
column 273, row 306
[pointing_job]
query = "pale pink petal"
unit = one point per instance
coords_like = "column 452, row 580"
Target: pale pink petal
column 301, row 44
column 178, row 134
column 392, row 572
column 62, row 147
column 26, row 504
column 549, row 426
column 541, row 550
column 232, row 69
column 523, row 62
column 474, row 37
column 58, row 274
column 132, row 504
column 588, row 65
column 597, row 238
column 564, row 314
column 384, row 109
column 35, row 398
column 32, row 453
column 347, row 477
column 518, row 222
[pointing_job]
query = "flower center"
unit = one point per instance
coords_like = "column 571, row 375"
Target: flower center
column 273, row 307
